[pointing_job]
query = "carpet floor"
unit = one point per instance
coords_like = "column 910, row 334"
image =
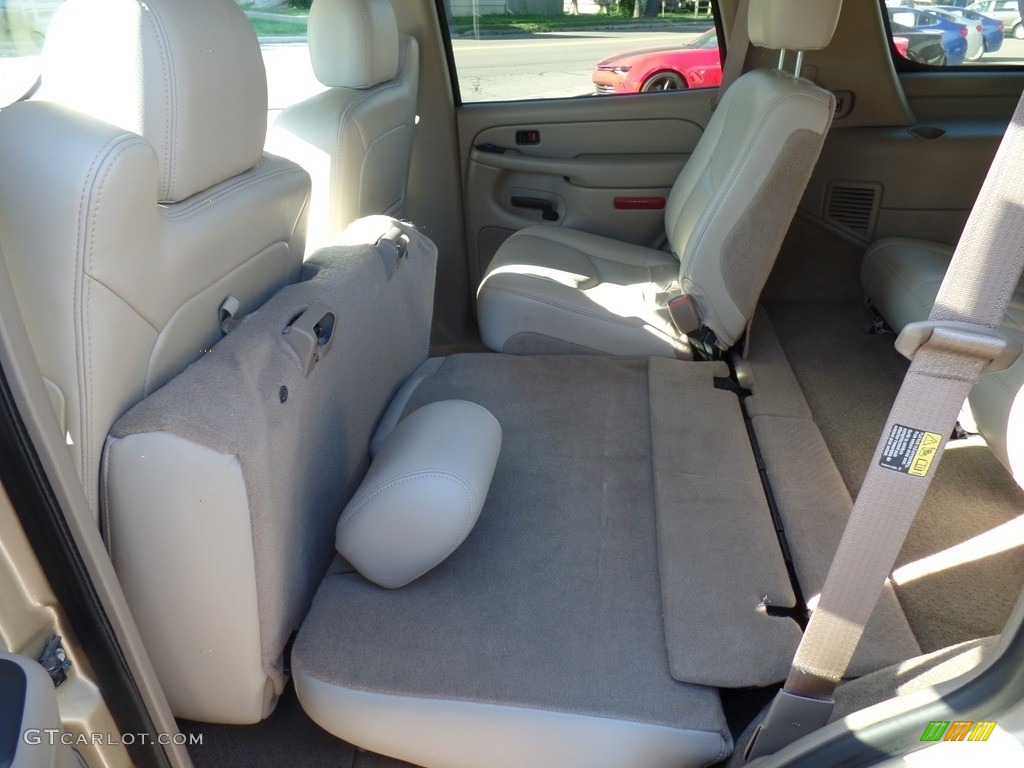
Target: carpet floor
column 850, row 379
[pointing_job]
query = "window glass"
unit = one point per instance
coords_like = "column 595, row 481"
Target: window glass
column 281, row 26
column 23, row 25
column 535, row 49
column 952, row 33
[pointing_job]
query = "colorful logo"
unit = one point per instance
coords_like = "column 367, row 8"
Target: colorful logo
column 958, row 730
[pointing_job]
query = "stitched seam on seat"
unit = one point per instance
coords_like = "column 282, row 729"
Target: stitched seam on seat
column 697, row 236
column 108, row 156
column 522, row 235
column 199, row 207
column 560, row 305
column 396, row 480
column 170, row 121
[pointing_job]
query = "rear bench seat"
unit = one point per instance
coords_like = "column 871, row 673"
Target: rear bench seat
column 902, row 276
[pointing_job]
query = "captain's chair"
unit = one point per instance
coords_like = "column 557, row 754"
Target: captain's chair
column 137, row 209
column 355, row 138
column 553, row 289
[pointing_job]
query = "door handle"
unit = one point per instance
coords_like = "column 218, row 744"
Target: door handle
column 546, row 207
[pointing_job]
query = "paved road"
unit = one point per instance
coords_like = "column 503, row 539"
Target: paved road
column 548, row 65
column 536, row 66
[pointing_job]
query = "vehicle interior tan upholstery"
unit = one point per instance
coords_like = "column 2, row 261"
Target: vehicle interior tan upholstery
column 355, row 138
column 161, row 207
column 224, row 487
column 901, row 276
column 550, row 289
column 423, row 493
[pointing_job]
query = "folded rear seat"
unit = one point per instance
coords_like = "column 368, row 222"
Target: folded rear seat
column 576, row 599
column 902, row 276
column 221, row 490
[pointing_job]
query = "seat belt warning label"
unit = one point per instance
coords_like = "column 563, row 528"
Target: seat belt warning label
column 910, row 450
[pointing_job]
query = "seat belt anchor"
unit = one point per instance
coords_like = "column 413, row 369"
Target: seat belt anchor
column 789, row 718
column 967, row 339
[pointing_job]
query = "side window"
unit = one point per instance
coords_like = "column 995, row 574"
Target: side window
column 23, row 25
column 953, row 33
column 540, row 49
column 281, row 29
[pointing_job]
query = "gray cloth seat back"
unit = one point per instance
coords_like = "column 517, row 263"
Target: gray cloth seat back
column 355, row 138
column 725, row 220
column 223, row 488
column 135, row 199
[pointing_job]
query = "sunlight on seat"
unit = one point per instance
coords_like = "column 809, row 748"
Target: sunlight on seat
column 561, row 276
column 1000, row 539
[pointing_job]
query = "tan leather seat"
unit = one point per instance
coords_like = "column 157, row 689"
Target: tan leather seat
column 902, row 276
column 135, row 199
column 355, row 139
column 554, row 289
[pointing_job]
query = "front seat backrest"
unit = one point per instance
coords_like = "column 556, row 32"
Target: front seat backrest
column 135, row 199
column 355, row 138
column 733, row 202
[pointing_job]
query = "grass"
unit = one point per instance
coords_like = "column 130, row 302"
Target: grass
column 275, row 28
column 508, row 23
column 493, row 24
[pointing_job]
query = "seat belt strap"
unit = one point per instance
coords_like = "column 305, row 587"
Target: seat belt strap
column 948, row 352
column 736, row 53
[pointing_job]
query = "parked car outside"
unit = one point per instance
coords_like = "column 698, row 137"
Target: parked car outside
column 924, row 47
column 957, row 41
column 1007, row 11
column 975, row 29
column 695, row 64
column 992, row 30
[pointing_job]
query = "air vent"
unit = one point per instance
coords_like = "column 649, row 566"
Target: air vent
column 853, row 206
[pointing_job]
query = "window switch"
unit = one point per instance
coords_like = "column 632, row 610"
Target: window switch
column 528, row 137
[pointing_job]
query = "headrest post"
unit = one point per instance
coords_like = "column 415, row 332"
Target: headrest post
column 782, row 58
column 795, row 25
column 799, row 63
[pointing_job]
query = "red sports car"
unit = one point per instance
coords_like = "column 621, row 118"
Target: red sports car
column 695, row 64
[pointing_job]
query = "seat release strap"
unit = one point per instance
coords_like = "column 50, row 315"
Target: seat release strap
column 948, row 354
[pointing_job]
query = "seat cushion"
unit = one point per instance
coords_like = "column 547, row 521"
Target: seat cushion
column 551, row 289
column 902, row 277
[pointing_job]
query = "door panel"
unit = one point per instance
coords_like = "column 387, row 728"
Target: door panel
column 578, row 160
column 917, row 180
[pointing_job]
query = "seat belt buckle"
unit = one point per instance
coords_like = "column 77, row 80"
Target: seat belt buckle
column 684, row 314
column 969, row 339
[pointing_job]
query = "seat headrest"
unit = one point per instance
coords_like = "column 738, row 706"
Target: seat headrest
column 353, row 43
column 795, row 25
column 187, row 75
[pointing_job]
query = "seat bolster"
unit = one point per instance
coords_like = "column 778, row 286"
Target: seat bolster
column 188, row 532
column 427, row 730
